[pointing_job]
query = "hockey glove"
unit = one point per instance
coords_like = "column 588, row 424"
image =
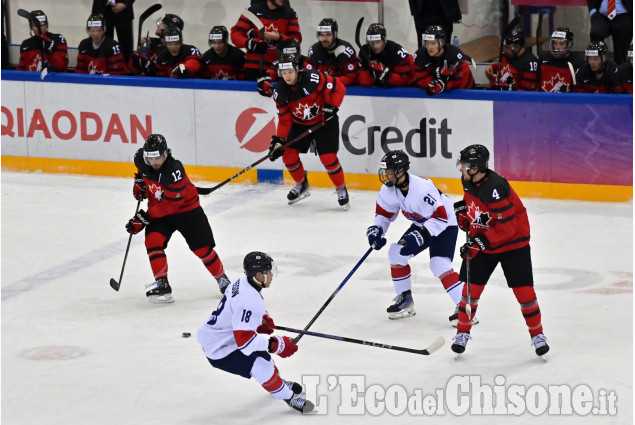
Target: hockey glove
column 340, row 55
column 49, row 43
column 460, row 209
column 384, row 77
column 375, row 238
column 139, row 188
column 329, row 111
column 180, row 72
column 138, row 61
column 474, row 246
column 256, row 46
column 267, row 326
column 413, row 241
column 276, row 148
column 282, row 346
column 442, row 72
column 435, row 87
column 138, row 222
column 265, row 87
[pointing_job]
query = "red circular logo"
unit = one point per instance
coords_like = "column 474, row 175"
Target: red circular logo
column 254, row 128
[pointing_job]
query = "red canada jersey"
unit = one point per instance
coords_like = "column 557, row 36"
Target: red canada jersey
column 394, row 57
column 106, row 59
column 624, row 75
column 230, row 67
column 283, row 21
column 303, row 102
column 154, row 45
column 188, row 56
column 56, row 55
column 520, row 73
column 169, row 190
column 453, row 63
column 588, row 81
column 344, row 65
column 497, row 213
column 555, row 73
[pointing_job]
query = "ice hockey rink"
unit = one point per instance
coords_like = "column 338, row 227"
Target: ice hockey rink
column 74, row 351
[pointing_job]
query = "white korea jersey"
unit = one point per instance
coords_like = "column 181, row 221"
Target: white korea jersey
column 425, row 205
column 233, row 325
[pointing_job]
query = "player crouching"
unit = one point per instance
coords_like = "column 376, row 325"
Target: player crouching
column 230, row 336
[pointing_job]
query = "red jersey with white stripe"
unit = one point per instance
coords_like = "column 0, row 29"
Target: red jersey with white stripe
column 303, row 102
column 453, row 62
column 188, row 56
column 344, row 65
column 555, row 74
column 106, row 59
column 229, row 67
column 31, row 54
column 394, row 57
column 521, row 73
column 424, row 205
column 232, row 326
column 496, row 212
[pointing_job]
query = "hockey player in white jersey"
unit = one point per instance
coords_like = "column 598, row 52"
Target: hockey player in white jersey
column 231, row 337
column 434, row 227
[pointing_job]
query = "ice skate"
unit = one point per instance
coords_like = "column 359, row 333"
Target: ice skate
column 159, row 292
column 294, row 386
column 460, row 341
column 342, row 198
column 223, row 283
column 299, row 191
column 403, row 306
column 539, row 342
column 299, row 403
column 454, row 319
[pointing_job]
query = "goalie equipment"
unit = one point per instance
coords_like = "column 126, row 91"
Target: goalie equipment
column 159, row 292
column 561, row 34
column 155, row 146
column 403, row 306
column 218, row 32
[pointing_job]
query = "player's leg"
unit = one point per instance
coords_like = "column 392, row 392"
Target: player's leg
column 158, row 234
column 327, row 146
column 292, row 162
column 518, row 272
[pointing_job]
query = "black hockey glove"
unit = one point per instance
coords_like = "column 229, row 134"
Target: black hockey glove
column 477, row 244
column 442, row 73
column 341, row 57
column 48, row 43
column 413, row 241
column 265, row 87
column 375, row 238
column 435, row 87
column 384, row 76
column 180, row 72
column 138, row 222
column 329, row 111
column 460, row 210
column 276, row 149
column 256, row 46
column 139, row 188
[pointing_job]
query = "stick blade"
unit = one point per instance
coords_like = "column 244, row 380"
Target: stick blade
column 438, row 343
column 149, row 11
column 114, row 284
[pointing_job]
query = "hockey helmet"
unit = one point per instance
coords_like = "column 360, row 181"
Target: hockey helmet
column 597, row 48
column 434, row 32
column 561, row 34
column 219, row 32
column 288, row 46
column 258, row 262
column 328, row 25
column 40, row 16
column 95, row 21
column 474, row 156
column 376, row 32
column 398, row 162
column 287, row 61
column 171, row 20
column 514, row 37
column 154, row 147
column 172, row 34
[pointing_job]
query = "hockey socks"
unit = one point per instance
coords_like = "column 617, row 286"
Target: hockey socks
column 401, row 278
column 452, row 285
column 155, row 246
column 277, row 388
column 465, row 324
column 526, row 296
column 211, row 261
column 334, row 169
column 292, row 161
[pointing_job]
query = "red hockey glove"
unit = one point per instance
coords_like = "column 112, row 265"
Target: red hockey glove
column 180, row 72
column 378, row 67
column 138, row 222
column 267, row 326
column 435, row 87
column 442, row 73
column 276, row 149
column 256, row 46
column 139, row 188
column 49, row 43
column 473, row 247
column 138, row 60
column 265, row 87
column 282, row 346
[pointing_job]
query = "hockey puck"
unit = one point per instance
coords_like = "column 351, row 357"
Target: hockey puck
column 186, row 334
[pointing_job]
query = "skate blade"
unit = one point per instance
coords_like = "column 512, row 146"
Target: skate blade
column 301, row 197
column 161, row 299
column 346, row 206
column 544, row 357
column 402, row 314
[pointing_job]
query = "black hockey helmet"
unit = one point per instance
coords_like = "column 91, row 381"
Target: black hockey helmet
column 172, row 20
column 328, row 25
column 40, row 16
column 258, row 262
column 597, row 48
column 219, row 32
column 515, row 36
column 398, row 162
column 434, row 32
column 287, row 61
column 172, row 34
column 474, row 156
column 154, row 147
column 376, row 32
column 94, row 21
column 288, row 46
column 561, row 34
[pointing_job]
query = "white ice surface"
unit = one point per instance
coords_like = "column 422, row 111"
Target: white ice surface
column 76, row 352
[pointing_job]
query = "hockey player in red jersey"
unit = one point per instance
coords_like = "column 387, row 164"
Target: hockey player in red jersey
column 99, row 54
column 223, row 61
column 232, row 337
column 144, row 63
column 383, row 62
column 439, row 66
column 173, row 205
column 558, row 64
column 178, row 60
column 332, row 55
column 624, row 74
column 288, row 46
column 433, row 227
column 304, row 98
column 52, row 45
column 519, row 67
column 496, row 221
column 280, row 21
column 598, row 74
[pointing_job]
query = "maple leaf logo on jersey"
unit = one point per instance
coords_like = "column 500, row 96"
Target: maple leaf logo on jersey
column 506, row 76
column 306, row 112
column 477, row 217
column 92, row 68
column 556, row 85
column 271, row 28
column 37, row 64
column 156, row 191
column 224, row 76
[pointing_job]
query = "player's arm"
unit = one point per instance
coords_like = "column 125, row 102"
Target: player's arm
column 246, row 318
column 335, row 90
column 58, row 56
column 240, row 32
column 285, row 120
column 400, row 73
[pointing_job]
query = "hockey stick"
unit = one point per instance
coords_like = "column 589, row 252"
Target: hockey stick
column 359, row 263
column 509, row 26
column 539, row 34
column 358, row 30
column 113, row 283
column 438, row 343
column 208, row 190
column 36, row 22
column 572, row 71
column 468, row 305
column 260, row 27
column 145, row 15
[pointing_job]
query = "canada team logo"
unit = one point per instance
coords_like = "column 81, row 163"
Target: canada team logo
column 254, row 128
column 477, row 217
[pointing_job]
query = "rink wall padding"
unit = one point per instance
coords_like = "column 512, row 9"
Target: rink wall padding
column 550, row 145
